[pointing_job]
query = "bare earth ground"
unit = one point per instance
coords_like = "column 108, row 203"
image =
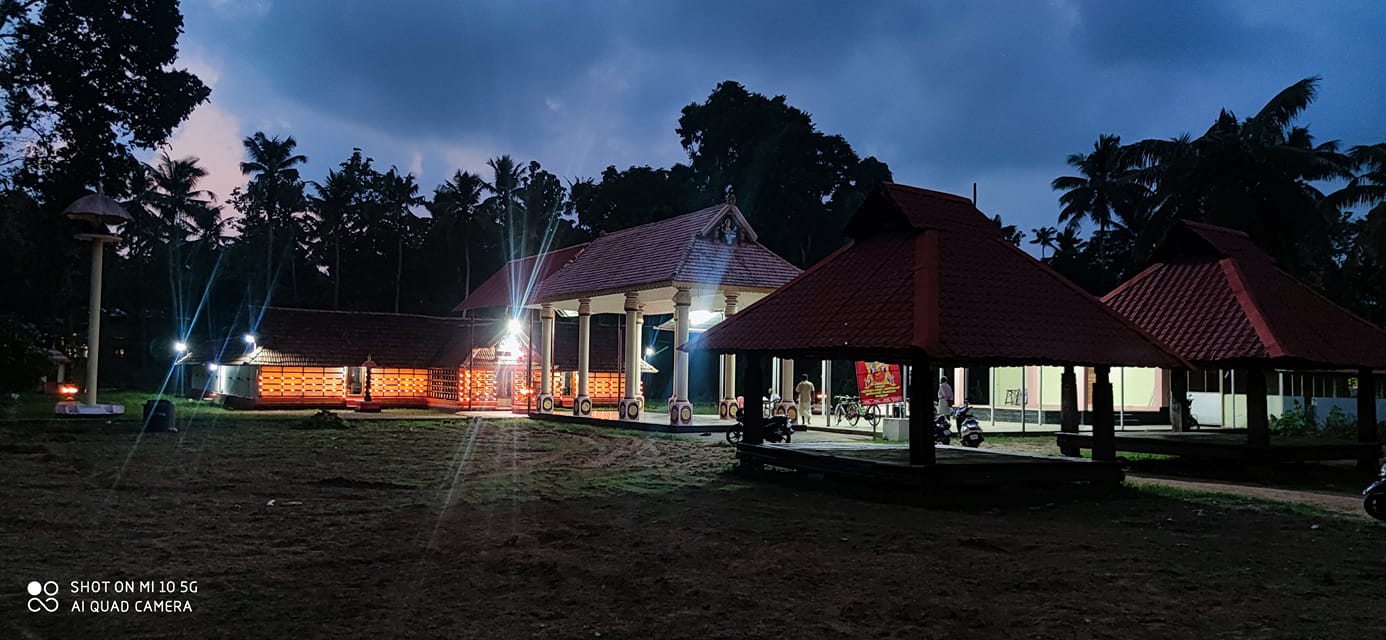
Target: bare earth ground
column 508, row 529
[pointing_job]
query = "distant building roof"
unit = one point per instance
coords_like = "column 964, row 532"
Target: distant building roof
column 509, row 286
column 927, row 270
column 1218, row 300
column 686, row 250
column 321, row 338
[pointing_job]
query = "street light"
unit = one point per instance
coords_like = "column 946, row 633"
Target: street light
column 250, row 339
column 101, row 213
column 180, row 347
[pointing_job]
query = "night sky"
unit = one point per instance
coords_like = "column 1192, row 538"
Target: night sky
column 948, row 94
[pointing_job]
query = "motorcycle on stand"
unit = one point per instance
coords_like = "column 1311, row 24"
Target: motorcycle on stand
column 1374, row 501
column 776, row 429
column 969, row 430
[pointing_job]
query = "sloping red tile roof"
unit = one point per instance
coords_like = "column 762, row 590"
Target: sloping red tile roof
column 668, row 251
column 1218, row 300
column 318, row 338
column 927, row 270
column 507, row 287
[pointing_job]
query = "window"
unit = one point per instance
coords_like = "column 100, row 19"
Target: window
column 978, row 389
column 1209, row 381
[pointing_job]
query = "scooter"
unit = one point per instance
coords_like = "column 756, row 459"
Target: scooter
column 775, row 430
column 1375, row 501
column 969, row 430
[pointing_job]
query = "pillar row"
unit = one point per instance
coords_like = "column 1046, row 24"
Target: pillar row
column 582, row 403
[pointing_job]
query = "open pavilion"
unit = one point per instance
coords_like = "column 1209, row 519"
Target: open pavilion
column 927, row 281
column 697, row 266
column 1220, row 302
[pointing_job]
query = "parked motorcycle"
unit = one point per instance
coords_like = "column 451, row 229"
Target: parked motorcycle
column 776, row 429
column 1375, row 500
column 969, row 430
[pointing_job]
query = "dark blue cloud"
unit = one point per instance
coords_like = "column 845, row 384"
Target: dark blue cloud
column 947, row 93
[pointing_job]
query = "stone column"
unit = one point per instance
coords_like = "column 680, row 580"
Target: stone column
column 681, row 410
column 1103, row 418
column 726, row 406
column 582, row 403
column 545, row 396
column 1068, row 409
column 787, row 405
column 1257, row 413
column 921, row 420
column 1178, row 398
column 629, row 407
column 639, row 351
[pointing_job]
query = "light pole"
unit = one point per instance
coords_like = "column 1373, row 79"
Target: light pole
column 101, row 213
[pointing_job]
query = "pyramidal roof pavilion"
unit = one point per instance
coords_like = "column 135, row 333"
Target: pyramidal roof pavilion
column 1220, row 301
column 707, row 261
column 928, row 279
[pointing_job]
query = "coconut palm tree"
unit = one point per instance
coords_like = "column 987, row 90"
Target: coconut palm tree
column 181, row 211
column 1106, row 186
column 456, row 206
column 398, row 194
column 274, row 189
column 331, row 205
column 1044, row 237
column 1258, row 175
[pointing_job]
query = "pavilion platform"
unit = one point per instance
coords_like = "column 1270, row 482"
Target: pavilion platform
column 954, row 466
column 1229, row 445
column 649, row 421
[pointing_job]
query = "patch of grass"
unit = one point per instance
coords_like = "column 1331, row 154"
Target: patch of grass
column 1233, row 501
column 884, row 440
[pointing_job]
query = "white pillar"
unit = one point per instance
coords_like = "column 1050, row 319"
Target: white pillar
column 582, row 402
column 681, row 410
column 98, row 249
column 787, row 404
column 629, row 406
column 827, row 391
column 545, row 396
column 726, row 406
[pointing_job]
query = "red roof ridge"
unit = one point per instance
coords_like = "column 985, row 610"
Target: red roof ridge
column 1054, row 275
column 1237, row 282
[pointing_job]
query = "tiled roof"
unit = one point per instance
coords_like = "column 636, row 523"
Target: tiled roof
column 311, row 337
column 317, row 338
column 508, row 286
column 1217, row 299
column 927, row 270
column 673, row 250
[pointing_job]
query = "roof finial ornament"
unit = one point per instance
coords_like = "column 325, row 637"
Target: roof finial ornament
column 731, row 196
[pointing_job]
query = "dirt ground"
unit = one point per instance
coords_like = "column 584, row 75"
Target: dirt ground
column 508, row 529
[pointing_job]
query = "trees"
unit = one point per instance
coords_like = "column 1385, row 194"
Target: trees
column 1044, row 237
column 456, row 209
column 398, row 194
column 1105, row 190
column 181, row 211
column 272, row 197
column 796, row 185
column 83, row 82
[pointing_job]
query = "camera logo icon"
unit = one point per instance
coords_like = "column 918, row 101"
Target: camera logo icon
column 41, row 596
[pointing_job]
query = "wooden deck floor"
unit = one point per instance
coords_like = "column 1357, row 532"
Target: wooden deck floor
column 1230, row 446
column 955, row 466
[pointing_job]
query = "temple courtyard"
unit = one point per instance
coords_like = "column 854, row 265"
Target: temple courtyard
column 505, row 527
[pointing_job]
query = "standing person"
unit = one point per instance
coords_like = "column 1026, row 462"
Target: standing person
column 945, row 397
column 804, row 390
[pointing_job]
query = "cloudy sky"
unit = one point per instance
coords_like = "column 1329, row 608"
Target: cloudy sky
column 947, row 93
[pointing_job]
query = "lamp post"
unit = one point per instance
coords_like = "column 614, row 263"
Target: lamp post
column 101, row 213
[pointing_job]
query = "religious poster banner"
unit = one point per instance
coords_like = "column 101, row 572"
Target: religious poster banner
column 879, row 383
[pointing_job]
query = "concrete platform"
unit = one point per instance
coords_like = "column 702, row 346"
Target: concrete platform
column 1229, row 445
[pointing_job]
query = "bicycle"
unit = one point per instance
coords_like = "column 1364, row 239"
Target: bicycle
column 850, row 408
